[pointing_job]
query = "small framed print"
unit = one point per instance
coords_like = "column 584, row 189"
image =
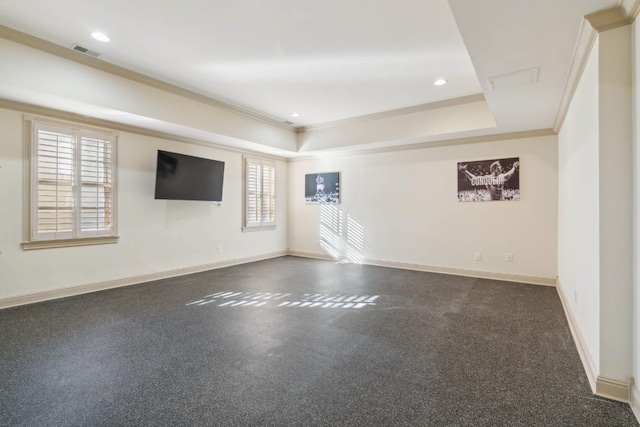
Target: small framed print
column 322, row 188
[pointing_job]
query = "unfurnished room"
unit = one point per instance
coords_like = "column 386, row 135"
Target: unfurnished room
column 289, row 213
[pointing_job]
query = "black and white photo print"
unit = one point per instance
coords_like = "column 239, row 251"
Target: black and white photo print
column 489, row 180
column 322, row 188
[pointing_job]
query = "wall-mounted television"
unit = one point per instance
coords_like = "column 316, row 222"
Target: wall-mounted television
column 182, row 177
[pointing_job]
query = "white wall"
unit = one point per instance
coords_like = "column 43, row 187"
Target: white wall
column 636, row 200
column 595, row 208
column 616, row 204
column 406, row 205
column 578, row 212
column 155, row 235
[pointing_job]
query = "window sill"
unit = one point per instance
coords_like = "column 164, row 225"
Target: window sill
column 47, row 244
column 258, row 228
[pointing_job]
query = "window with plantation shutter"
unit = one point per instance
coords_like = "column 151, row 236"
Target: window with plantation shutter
column 260, row 194
column 72, row 185
column 96, row 200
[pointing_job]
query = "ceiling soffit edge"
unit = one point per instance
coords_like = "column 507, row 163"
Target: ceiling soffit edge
column 478, row 97
column 429, row 144
column 106, row 124
column 71, row 55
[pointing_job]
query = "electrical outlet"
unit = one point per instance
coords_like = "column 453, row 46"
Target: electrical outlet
column 478, row 256
column 219, row 248
column 575, row 296
column 509, row 257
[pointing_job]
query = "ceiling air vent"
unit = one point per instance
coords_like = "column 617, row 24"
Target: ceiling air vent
column 86, row 51
column 514, row 80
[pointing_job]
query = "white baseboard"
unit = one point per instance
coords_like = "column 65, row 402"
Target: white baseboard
column 601, row 386
column 613, row 389
column 581, row 344
column 444, row 270
column 100, row 286
column 311, row 255
column 635, row 401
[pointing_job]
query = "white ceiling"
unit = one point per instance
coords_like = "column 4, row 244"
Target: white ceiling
column 330, row 60
column 504, row 36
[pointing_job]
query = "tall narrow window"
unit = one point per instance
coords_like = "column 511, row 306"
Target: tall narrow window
column 72, row 185
column 260, row 194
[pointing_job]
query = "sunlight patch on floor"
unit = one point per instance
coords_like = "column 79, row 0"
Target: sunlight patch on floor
column 261, row 299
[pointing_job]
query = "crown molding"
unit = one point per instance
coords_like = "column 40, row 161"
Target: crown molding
column 89, row 61
column 106, row 124
column 71, row 55
column 398, row 112
column 586, row 40
column 592, row 24
column 609, row 19
column 631, row 8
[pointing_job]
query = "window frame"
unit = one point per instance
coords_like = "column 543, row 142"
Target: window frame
column 32, row 237
column 257, row 225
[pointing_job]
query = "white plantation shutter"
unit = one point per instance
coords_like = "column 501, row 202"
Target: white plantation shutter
column 72, row 184
column 260, row 193
column 55, row 169
column 96, row 195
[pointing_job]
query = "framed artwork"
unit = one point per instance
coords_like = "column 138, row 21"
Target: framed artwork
column 322, row 187
column 489, row 180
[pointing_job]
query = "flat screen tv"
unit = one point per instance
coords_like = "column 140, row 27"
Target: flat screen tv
column 182, row 177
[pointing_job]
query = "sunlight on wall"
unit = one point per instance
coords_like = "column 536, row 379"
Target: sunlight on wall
column 355, row 240
column 344, row 243
column 331, row 230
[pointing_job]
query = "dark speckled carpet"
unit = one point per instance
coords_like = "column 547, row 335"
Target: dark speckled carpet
column 299, row 342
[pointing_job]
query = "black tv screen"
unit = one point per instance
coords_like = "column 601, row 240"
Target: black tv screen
column 182, row 177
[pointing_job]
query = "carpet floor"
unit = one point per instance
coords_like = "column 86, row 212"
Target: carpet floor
column 299, row 342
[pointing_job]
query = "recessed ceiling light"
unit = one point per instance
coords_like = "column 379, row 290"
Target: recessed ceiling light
column 440, row 82
column 101, row 37
column 295, row 114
